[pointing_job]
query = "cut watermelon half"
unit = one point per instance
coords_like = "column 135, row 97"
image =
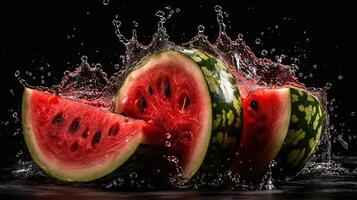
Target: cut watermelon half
column 192, row 95
column 266, row 116
column 77, row 142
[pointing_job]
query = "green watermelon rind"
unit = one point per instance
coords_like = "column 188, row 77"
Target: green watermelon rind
column 75, row 175
column 304, row 132
column 226, row 110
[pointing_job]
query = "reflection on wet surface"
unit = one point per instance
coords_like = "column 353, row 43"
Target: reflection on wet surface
column 341, row 187
column 297, row 191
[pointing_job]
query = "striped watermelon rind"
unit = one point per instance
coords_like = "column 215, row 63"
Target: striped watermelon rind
column 304, row 134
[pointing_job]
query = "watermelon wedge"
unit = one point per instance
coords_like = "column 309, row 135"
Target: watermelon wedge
column 266, row 116
column 192, row 95
column 282, row 124
column 73, row 141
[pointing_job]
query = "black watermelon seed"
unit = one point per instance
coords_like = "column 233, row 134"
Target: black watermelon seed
column 96, row 138
column 58, row 119
column 254, row 105
column 73, row 128
column 151, row 91
column 143, row 103
column 114, row 129
column 74, row 146
column 167, row 89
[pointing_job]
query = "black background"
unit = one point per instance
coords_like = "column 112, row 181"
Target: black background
column 58, row 33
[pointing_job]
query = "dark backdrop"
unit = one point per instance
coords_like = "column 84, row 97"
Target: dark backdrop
column 51, row 36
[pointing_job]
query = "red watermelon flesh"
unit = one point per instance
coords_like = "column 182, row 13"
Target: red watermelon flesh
column 171, row 91
column 77, row 142
column 266, row 116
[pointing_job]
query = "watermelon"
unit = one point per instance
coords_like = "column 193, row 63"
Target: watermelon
column 266, row 116
column 282, row 124
column 73, row 141
column 192, row 96
column 304, row 133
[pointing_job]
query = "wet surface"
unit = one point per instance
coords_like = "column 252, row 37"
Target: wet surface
column 342, row 188
column 341, row 184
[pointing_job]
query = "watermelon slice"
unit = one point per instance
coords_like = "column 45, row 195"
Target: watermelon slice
column 73, row 141
column 304, row 133
column 282, row 124
column 192, row 95
column 266, row 116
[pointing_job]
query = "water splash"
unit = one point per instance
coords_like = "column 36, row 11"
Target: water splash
column 134, row 49
column 105, row 2
column 91, row 83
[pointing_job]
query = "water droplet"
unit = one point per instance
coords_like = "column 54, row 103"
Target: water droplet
column 272, row 164
column 314, row 66
column 84, row 59
column 136, row 24
column 17, row 73
column 311, row 75
column 116, row 66
column 49, row 74
column 353, row 114
column 240, row 36
column 167, row 144
column 200, row 29
column 340, row 77
column 105, row 2
column 12, row 92
column 301, row 74
column 328, row 85
column 173, row 159
column 264, row 52
column 133, row 175
column 14, row 114
column 177, row 10
column 257, row 41
column 160, row 14
column 218, row 8
column 168, row 135
column 66, row 73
